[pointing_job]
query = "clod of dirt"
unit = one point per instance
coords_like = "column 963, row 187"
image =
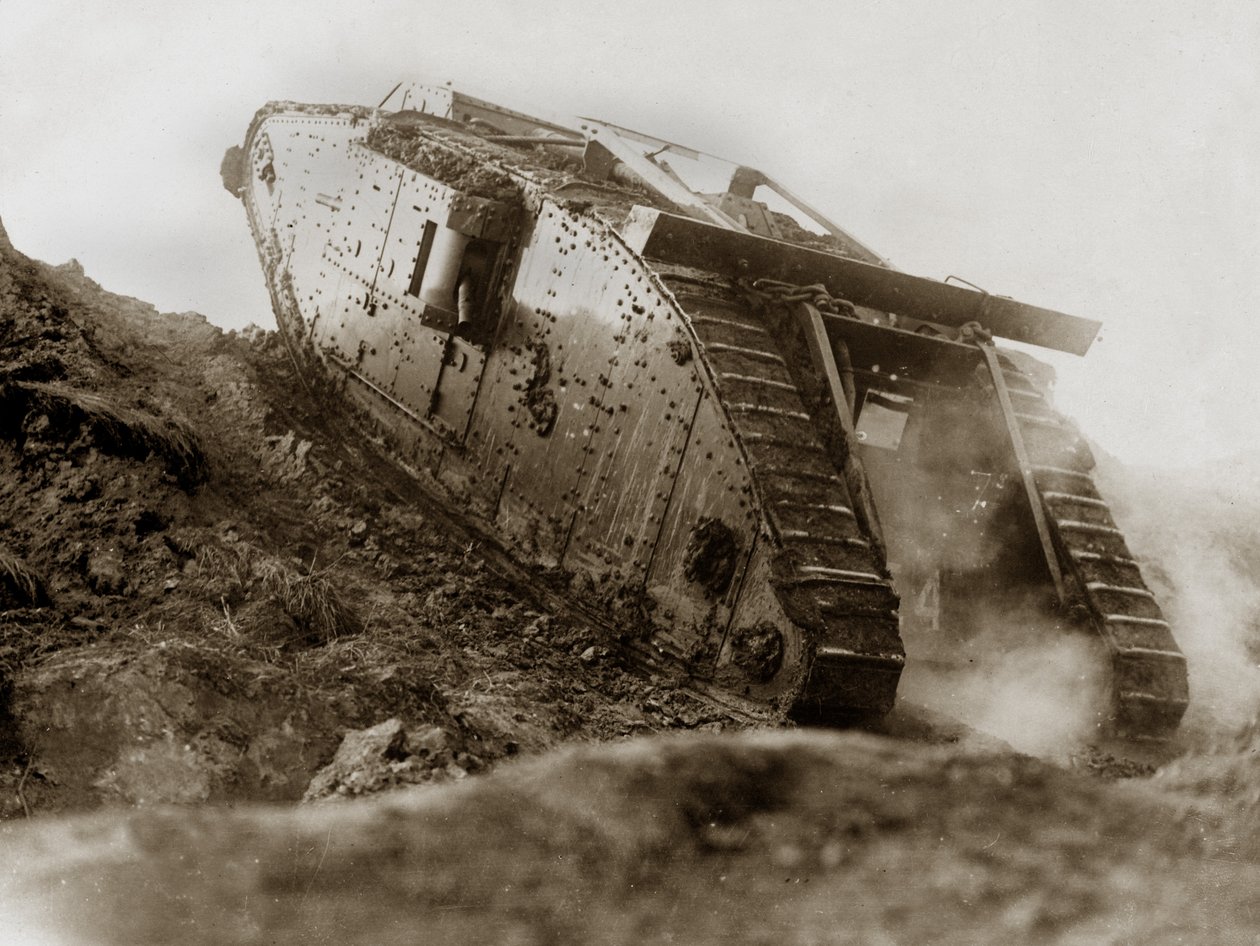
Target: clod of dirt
column 234, row 170
column 539, row 399
column 362, row 762
column 386, row 756
column 758, row 651
column 105, row 573
column 711, row 556
column 679, row 350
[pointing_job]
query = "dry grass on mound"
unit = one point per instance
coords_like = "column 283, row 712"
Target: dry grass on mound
column 114, row 429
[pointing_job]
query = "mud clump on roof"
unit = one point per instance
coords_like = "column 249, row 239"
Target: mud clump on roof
column 793, row 232
column 462, row 172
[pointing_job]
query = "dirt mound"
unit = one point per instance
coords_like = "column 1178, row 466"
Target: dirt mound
column 209, row 576
column 777, row 837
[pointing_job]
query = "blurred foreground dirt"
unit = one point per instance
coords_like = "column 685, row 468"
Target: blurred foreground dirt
column 781, row 838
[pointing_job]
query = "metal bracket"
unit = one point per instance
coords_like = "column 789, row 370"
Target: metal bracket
column 854, row 474
column 1025, row 469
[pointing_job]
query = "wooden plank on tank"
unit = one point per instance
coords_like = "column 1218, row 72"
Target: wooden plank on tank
column 683, row 241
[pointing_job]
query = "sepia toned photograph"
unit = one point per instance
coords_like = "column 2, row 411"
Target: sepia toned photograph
column 694, row 473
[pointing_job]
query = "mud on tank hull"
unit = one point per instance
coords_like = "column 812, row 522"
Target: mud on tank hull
column 594, row 382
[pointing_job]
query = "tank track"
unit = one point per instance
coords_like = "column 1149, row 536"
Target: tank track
column 828, row 577
column 1149, row 689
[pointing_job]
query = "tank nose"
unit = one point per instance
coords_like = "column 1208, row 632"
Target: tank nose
column 233, row 171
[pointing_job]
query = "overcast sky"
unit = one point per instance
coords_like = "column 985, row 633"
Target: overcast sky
column 1098, row 158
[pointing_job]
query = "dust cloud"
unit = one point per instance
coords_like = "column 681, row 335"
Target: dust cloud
column 992, row 655
column 983, row 642
column 1017, row 676
column 1196, row 535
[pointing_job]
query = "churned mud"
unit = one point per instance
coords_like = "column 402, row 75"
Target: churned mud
column 208, row 577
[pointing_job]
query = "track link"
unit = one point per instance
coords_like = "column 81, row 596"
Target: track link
column 1148, row 671
column 828, row 577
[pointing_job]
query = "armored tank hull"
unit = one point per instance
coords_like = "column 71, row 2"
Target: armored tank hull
column 723, row 421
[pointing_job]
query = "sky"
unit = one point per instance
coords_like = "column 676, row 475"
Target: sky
column 1100, row 158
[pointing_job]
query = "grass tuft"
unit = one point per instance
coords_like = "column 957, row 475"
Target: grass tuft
column 310, row 599
column 20, row 587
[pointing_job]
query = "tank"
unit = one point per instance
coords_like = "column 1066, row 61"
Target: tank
column 766, row 461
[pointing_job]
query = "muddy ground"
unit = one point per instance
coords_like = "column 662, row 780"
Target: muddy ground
column 224, row 579
column 215, row 590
